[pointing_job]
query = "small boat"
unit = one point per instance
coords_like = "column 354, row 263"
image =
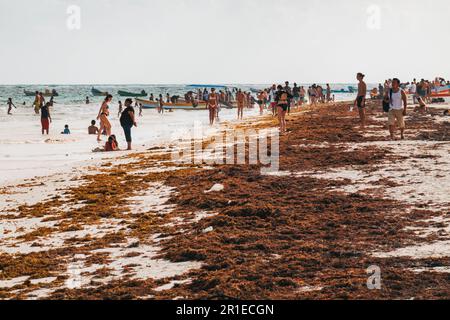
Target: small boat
column 132, row 95
column 46, row 93
column 98, row 93
column 201, row 86
column 349, row 90
column 443, row 91
column 182, row 105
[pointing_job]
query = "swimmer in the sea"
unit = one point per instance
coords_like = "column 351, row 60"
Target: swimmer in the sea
column 93, row 129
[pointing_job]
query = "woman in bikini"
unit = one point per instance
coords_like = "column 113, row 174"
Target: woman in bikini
column 283, row 99
column 103, row 117
column 213, row 105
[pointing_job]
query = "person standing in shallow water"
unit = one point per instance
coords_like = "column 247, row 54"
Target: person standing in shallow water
column 37, row 103
column 103, row 117
column 10, row 105
column 160, row 104
column 46, row 118
column 360, row 101
column 127, row 121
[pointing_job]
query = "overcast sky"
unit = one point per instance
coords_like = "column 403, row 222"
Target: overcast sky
column 222, row 41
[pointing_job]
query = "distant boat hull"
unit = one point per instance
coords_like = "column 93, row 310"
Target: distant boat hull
column 45, row 94
column 147, row 104
column 132, row 95
column 441, row 92
column 98, row 93
column 201, row 86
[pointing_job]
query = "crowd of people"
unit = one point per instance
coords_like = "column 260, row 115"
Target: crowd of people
column 277, row 99
column 394, row 94
column 127, row 122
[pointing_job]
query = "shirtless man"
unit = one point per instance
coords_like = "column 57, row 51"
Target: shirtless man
column 213, row 105
column 240, row 98
column 328, row 93
column 360, row 101
column 92, row 129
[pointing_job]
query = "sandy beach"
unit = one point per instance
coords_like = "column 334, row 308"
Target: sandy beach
column 141, row 226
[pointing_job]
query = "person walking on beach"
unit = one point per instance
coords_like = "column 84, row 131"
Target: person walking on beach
column 283, row 100
column 398, row 103
column 212, row 105
column 288, row 89
column 103, row 115
column 87, row 100
column 272, row 96
column 10, row 105
column 261, row 98
column 360, row 101
column 46, row 118
column 413, row 91
column 296, row 94
column 240, row 98
column 128, row 120
column 302, row 96
column 328, row 93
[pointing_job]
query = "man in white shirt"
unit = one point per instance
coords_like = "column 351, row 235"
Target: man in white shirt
column 413, row 91
column 398, row 104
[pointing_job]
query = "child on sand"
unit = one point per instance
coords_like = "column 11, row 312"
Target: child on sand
column 66, row 129
column 111, row 144
column 93, row 129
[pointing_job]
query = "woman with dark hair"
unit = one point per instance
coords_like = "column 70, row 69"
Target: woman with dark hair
column 103, row 117
column 160, row 104
column 127, row 121
column 213, row 105
column 283, row 99
column 46, row 119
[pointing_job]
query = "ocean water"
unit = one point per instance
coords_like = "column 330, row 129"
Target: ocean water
column 76, row 94
column 26, row 153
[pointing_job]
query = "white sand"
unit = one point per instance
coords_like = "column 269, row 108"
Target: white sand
column 25, row 153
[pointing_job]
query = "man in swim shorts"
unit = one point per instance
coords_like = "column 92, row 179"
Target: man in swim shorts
column 360, row 101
